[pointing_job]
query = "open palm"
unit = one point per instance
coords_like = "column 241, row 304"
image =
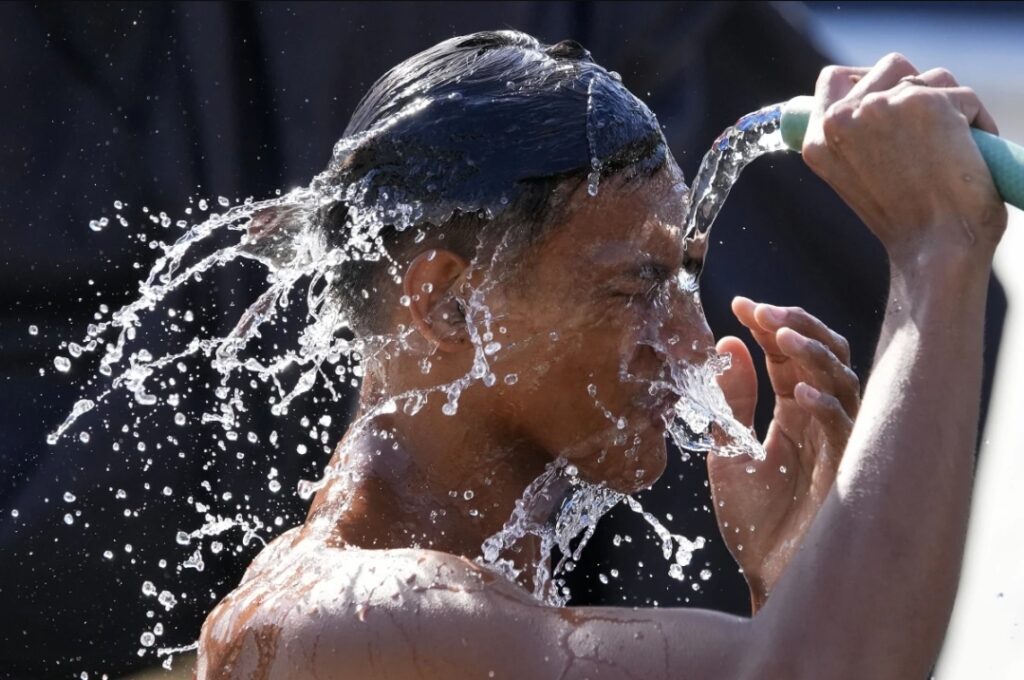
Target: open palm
column 764, row 508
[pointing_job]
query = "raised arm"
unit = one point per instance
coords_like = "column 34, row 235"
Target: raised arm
column 871, row 590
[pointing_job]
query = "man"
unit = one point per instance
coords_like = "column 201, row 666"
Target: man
column 546, row 309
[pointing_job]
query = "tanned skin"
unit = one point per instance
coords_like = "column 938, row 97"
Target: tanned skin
column 854, row 562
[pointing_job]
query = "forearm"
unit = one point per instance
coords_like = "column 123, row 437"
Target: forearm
column 883, row 555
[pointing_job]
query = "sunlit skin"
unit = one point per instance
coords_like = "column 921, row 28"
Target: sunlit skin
column 379, row 583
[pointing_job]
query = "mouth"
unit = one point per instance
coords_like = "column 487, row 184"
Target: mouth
column 661, row 407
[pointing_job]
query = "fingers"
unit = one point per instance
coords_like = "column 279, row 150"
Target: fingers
column 803, row 349
column 884, row 75
column 739, row 382
column 895, row 70
column 821, row 369
column 835, row 82
column 765, row 320
column 828, row 411
column 967, row 101
column 774, row 318
column 937, row 77
column 745, row 311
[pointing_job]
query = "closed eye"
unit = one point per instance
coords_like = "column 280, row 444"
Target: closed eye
column 654, row 278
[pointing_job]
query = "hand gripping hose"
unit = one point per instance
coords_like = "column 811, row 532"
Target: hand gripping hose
column 1005, row 160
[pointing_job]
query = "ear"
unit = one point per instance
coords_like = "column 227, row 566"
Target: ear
column 431, row 284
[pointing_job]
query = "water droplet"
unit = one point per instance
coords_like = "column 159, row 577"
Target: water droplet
column 511, row 379
column 274, row 486
column 223, row 202
column 468, row 494
column 183, row 538
column 83, row 437
column 148, row 589
column 33, row 330
column 62, row 364
column 108, row 555
column 705, row 574
column 147, row 639
column 68, row 519
column 167, row 599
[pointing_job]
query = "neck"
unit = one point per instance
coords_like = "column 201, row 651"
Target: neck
column 430, row 481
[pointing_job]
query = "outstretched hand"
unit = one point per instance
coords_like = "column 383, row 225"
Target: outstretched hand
column 764, row 508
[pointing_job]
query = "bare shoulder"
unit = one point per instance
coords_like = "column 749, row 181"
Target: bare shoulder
column 306, row 610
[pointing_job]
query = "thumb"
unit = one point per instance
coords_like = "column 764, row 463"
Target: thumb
column 739, row 382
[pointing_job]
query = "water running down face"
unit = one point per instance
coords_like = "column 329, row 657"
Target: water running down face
column 586, row 330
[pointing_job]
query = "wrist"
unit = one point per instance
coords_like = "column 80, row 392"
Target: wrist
column 940, row 269
column 953, row 250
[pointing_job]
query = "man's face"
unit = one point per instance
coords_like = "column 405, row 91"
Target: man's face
column 592, row 321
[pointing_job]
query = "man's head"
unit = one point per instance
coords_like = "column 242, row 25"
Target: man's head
column 528, row 221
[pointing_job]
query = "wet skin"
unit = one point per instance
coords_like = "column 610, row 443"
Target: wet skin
column 379, row 583
column 589, row 319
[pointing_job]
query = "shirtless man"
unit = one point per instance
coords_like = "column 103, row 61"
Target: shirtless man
column 854, row 559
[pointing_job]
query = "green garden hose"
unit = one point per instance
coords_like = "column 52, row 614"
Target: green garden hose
column 1005, row 160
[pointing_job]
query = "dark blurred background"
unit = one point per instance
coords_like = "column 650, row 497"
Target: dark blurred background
column 156, row 105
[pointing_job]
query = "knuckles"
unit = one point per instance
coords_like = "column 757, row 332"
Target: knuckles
column 896, row 63
column 843, row 345
column 942, row 77
column 831, row 75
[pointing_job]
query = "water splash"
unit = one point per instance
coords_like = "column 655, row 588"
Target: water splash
column 285, row 235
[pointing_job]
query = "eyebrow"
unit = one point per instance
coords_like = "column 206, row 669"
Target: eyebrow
column 620, row 254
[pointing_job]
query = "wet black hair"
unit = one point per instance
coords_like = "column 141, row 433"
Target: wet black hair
column 482, row 130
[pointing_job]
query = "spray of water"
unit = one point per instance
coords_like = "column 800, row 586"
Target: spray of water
column 285, row 235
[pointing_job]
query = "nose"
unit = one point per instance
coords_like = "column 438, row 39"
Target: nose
column 683, row 331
